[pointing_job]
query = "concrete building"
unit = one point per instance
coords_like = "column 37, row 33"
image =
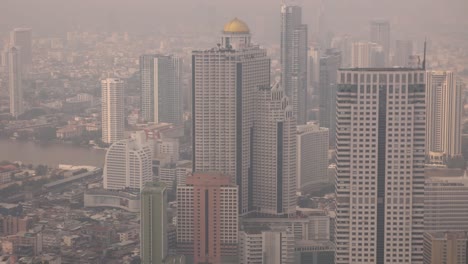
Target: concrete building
column 207, row 218
column 161, row 88
column 173, row 174
column 367, row 54
column 113, row 110
column 446, row 248
column 274, row 154
column 380, row 34
column 314, row 252
column 294, row 45
column 444, row 116
column 225, row 81
column 329, row 64
column 22, row 38
column 153, row 224
column 128, row 163
column 403, row 52
column 129, row 201
column 312, row 157
column 380, row 165
column 15, row 80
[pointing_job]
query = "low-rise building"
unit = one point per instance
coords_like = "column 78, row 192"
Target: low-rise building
column 445, row 248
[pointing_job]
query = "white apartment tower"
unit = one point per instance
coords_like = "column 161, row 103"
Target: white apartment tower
column 15, row 82
column 444, row 116
column 161, row 88
column 380, row 139
column 274, row 153
column 225, row 80
column 129, row 163
column 113, row 110
column 312, row 157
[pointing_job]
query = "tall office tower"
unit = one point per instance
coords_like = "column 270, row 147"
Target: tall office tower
column 329, row 64
column 113, row 110
column 445, row 204
column 403, row 52
column 224, row 82
column 22, row 38
column 161, row 88
column 444, row 116
column 207, row 217
column 313, row 67
column 380, row 165
column 367, row 55
column 274, row 154
column 15, row 82
column 312, row 157
column 446, row 248
column 153, row 223
column 344, row 45
column 380, row 34
column 129, row 163
column 294, row 59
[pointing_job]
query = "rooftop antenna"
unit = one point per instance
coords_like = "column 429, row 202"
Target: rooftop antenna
column 424, row 55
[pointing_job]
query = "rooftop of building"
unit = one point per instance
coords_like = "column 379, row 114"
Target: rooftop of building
column 236, row 26
column 448, row 235
column 393, row 69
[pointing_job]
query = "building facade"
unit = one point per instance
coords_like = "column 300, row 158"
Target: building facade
column 403, row 52
column 380, row 34
column 113, row 110
column 22, row 39
column 15, row 80
column 367, row 54
column 446, row 248
column 380, row 165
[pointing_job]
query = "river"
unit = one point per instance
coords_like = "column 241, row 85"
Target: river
column 51, row 154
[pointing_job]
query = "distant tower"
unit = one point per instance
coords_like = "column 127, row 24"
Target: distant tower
column 444, row 116
column 294, row 45
column 403, row 52
column 224, row 84
column 129, row 163
column 161, row 88
column 367, row 55
column 380, row 34
column 113, row 110
column 22, row 38
column 15, row 82
column 153, row 224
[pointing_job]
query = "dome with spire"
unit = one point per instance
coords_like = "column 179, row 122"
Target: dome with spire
column 236, row 26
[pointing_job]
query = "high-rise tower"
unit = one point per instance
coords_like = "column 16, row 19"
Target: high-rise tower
column 380, row 139
column 161, row 88
column 15, row 82
column 225, row 80
column 113, row 110
column 22, row 39
column 294, row 45
column 380, row 34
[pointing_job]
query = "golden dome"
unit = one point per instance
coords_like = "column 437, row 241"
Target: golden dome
column 236, row 26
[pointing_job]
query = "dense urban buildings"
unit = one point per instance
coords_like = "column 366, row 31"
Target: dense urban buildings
column 294, row 45
column 22, row 39
column 225, row 81
column 380, row 165
column 444, row 116
column 129, row 163
column 15, row 82
column 160, row 77
column 312, row 157
column 445, row 248
column 113, row 110
column 380, row 34
column 207, row 217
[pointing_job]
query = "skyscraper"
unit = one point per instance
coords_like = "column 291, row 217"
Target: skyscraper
column 161, row 88
column 312, row 157
column 274, row 154
column 15, row 82
column 380, row 34
column 444, row 116
column 329, row 64
column 294, row 45
column 380, row 165
column 403, row 52
column 22, row 39
column 207, row 217
column 225, row 80
column 128, row 163
column 366, row 55
column 113, row 110
column 153, row 223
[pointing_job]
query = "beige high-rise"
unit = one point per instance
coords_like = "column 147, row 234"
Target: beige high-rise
column 113, row 110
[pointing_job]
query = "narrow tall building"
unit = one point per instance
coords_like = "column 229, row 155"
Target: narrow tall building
column 128, row 163
column 380, row 34
column 161, row 88
column 380, row 165
column 153, row 224
column 274, row 154
column 15, row 82
column 225, row 80
column 22, row 39
column 294, row 46
column 113, row 110
column 444, row 116
column 403, row 52
column 329, row 64
column 207, row 218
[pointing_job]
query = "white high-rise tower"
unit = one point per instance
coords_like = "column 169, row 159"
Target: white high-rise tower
column 15, row 82
column 113, row 110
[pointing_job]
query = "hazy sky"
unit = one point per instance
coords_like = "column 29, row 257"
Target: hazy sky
column 138, row 16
